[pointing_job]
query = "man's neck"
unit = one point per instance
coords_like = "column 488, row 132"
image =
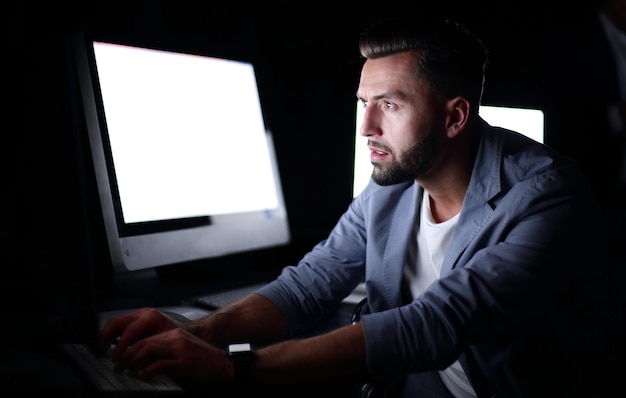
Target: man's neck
column 448, row 185
column 445, row 207
column 447, row 190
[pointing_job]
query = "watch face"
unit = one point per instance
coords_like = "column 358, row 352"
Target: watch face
column 235, row 348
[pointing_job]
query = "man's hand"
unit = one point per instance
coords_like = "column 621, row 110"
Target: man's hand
column 125, row 330
column 179, row 355
column 147, row 342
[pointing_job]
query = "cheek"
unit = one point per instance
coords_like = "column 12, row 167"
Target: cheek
column 412, row 132
column 406, row 130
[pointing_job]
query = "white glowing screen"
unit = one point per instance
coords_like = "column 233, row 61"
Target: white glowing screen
column 190, row 145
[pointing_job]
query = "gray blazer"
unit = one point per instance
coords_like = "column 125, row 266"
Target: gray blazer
column 521, row 298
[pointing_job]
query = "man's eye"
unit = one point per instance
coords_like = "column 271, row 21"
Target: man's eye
column 389, row 105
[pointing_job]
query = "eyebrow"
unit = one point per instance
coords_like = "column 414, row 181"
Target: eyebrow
column 387, row 94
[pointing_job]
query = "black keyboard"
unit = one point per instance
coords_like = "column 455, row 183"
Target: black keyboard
column 101, row 374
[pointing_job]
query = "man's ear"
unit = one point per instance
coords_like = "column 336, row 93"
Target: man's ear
column 458, row 116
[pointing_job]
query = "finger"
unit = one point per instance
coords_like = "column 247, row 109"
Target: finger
column 156, row 368
column 112, row 330
column 143, row 354
column 130, row 336
column 136, row 326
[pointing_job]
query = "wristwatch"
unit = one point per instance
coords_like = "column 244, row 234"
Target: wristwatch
column 243, row 357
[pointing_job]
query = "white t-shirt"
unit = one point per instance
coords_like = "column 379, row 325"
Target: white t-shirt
column 423, row 267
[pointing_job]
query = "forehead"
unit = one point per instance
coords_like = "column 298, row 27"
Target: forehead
column 389, row 74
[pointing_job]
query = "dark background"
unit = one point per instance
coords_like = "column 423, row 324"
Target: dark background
column 306, row 59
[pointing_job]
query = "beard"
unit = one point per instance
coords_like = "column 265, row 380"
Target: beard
column 410, row 164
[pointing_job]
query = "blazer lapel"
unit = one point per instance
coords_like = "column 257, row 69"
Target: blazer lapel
column 484, row 185
column 401, row 227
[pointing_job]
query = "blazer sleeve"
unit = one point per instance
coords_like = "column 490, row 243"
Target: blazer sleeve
column 317, row 284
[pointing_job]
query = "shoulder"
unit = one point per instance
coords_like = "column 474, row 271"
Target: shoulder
column 518, row 153
column 506, row 160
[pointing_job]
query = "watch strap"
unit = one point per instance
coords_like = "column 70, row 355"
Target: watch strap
column 242, row 357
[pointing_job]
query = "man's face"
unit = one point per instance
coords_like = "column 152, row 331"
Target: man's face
column 401, row 121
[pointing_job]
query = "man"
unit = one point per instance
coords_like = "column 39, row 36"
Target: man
column 482, row 253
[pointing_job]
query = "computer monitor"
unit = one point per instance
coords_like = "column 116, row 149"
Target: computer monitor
column 527, row 121
column 184, row 165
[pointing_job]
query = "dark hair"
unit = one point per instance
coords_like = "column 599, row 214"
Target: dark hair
column 452, row 60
